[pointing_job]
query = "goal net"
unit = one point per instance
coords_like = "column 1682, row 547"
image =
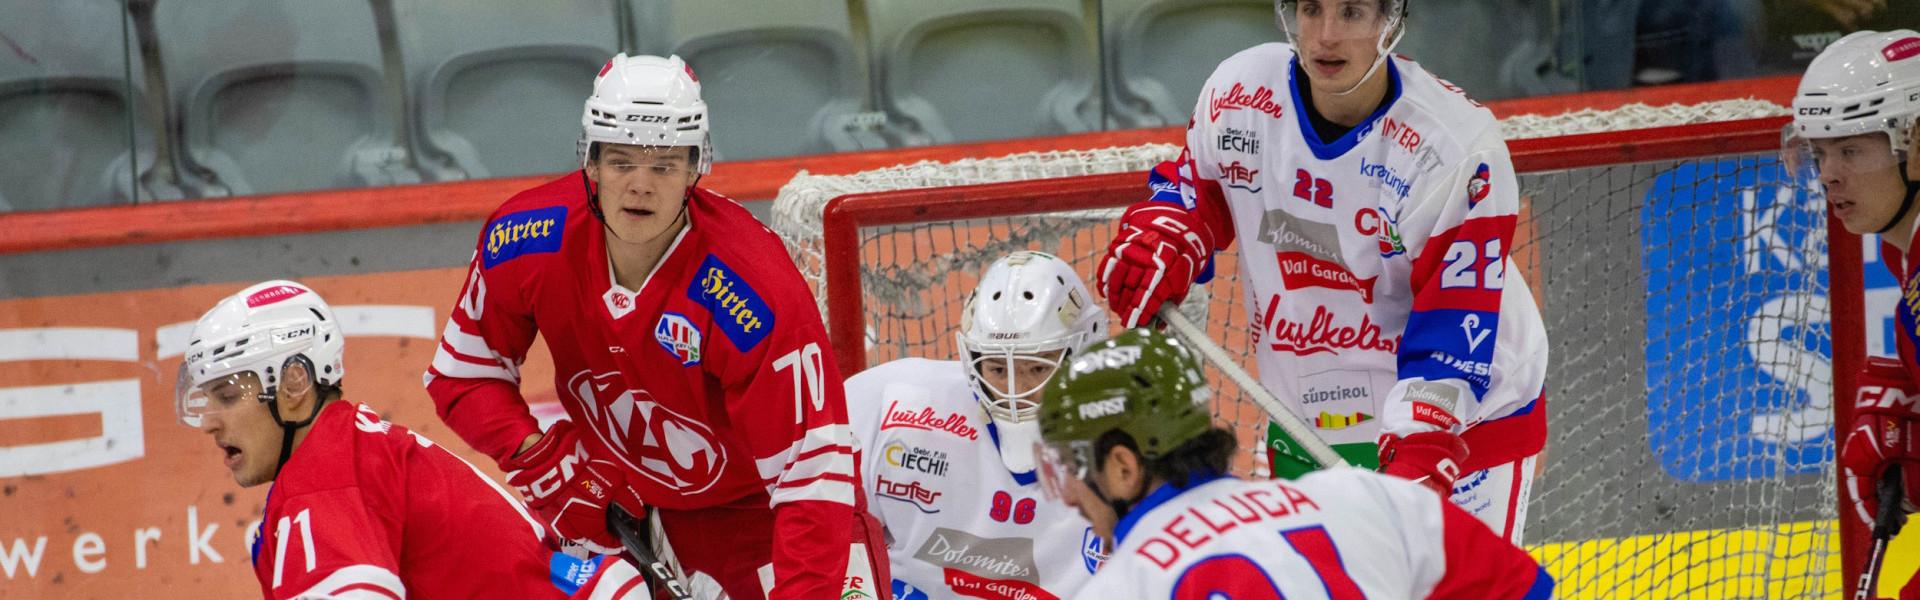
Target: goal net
column 1682, row 277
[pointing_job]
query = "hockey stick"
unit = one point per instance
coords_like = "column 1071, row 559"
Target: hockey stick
column 1885, row 525
column 627, row 527
column 1196, row 337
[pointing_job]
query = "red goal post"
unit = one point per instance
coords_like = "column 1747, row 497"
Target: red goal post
column 1602, row 157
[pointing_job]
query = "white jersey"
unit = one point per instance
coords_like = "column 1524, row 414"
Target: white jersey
column 1342, row 534
column 1375, row 266
column 958, row 523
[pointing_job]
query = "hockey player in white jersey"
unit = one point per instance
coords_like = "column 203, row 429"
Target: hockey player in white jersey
column 1129, row 441
column 946, row 447
column 1374, row 206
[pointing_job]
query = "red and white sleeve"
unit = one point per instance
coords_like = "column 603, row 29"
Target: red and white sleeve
column 475, row 377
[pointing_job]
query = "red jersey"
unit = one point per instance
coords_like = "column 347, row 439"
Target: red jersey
column 366, row 509
column 711, row 384
column 1907, row 309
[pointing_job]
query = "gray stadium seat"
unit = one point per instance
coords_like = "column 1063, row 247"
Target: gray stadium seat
column 1160, row 52
column 281, row 95
column 64, row 106
column 968, row 70
column 779, row 77
column 1492, row 49
column 499, row 85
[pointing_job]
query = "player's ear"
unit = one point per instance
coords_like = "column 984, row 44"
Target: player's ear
column 1122, row 470
column 297, row 393
column 1913, row 151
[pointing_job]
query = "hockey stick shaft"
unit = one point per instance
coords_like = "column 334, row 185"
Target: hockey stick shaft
column 1886, row 524
column 626, row 526
column 1196, row 337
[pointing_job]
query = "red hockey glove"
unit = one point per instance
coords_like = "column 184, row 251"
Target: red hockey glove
column 1431, row 459
column 1153, row 259
column 570, row 491
column 1881, row 436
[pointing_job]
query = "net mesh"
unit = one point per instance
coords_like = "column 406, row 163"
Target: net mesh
column 1690, row 451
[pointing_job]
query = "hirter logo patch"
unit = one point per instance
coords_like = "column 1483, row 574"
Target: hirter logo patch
column 737, row 310
column 679, row 337
column 525, row 232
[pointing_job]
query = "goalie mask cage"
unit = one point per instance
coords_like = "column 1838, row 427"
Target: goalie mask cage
column 1684, row 282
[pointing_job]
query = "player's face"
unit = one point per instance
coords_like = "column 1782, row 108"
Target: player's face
column 1021, row 376
column 1080, row 495
column 1339, row 40
column 242, row 427
column 1862, row 180
column 642, row 188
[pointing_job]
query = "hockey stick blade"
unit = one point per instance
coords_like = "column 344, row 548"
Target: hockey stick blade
column 627, row 527
column 1886, row 524
column 1196, row 337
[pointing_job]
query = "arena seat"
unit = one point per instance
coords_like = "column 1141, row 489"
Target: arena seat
column 1160, row 52
column 969, row 70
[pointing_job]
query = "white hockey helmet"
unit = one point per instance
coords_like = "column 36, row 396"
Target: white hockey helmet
column 647, row 101
column 1027, row 304
column 260, row 331
column 1865, row 83
column 1385, row 29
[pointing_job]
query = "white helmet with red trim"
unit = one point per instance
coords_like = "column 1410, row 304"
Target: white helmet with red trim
column 260, row 331
column 1865, row 83
column 646, row 101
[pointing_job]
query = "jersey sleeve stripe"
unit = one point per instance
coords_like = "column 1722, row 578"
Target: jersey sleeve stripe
column 827, row 490
column 358, row 581
column 816, row 440
column 830, row 461
column 457, row 336
column 445, row 363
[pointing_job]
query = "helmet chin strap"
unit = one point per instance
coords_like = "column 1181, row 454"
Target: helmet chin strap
column 1913, row 188
column 1385, row 54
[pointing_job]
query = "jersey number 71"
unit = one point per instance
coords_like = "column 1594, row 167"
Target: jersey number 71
column 1237, row 577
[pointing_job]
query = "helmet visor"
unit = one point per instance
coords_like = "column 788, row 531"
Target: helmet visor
column 1059, row 466
column 1811, row 161
column 1334, row 20
column 193, row 403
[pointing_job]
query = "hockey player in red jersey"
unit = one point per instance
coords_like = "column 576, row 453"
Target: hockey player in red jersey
column 688, row 353
column 1373, row 208
column 1130, row 441
column 1853, row 139
column 360, row 508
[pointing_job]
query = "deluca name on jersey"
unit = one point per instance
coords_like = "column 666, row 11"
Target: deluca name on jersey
column 1222, row 515
column 525, row 232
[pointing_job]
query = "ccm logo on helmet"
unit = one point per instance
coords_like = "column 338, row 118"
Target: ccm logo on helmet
column 1814, row 111
column 649, row 118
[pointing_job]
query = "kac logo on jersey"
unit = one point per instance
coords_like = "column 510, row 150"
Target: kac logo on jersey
column 679, row 337
column 1479, row 186
column 737, row 310
column 525, row 232
column 677, row 452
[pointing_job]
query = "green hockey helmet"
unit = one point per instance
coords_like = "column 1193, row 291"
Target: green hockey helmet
column 1141, row 382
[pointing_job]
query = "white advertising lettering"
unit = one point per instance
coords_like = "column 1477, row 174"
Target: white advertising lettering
column 1103, row 408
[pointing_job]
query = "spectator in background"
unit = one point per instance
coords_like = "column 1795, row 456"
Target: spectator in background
column 1797, row 30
